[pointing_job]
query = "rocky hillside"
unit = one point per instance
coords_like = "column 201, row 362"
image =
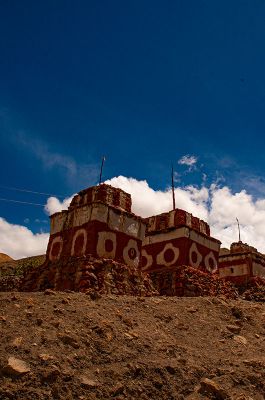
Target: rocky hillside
column 58, row 345
column 18, row 267
column 11, row 272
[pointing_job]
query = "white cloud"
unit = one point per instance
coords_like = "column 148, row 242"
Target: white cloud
column 227, row 206
column 147, row 201
column 188, row 160
column 18, row 241
column 54, row 205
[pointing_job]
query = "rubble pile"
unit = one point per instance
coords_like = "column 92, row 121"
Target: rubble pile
column 9, row 283
column 189, row 281
column 254, row 290
column 85, row 273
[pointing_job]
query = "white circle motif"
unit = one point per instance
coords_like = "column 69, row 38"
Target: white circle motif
column 76, row 235
column 56, row 240
column 211, row 267
column 132, row 262
column 198, row 261
column 160, row 259
column 149, row 260
column 101, row 249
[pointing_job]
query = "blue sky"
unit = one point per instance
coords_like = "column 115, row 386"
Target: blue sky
column 143, row 82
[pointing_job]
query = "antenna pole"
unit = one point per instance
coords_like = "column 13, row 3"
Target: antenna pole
column 238, row 230
column 173, row 189
column 101, row 169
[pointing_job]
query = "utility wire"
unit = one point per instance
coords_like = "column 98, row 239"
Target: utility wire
column 22, row 202
column 30, row 191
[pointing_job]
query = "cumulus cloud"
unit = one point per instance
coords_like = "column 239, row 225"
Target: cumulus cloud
column 188, row 160
column 147, row 201
column 54, row 205
column 226, row 206
column 18, row 241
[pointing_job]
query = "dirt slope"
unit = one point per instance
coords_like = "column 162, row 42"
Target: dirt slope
column 4, row 257
column 74, row 347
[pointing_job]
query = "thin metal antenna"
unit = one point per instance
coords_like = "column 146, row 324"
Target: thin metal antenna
column 101, row 169
column 173, row 188
column 238, row 230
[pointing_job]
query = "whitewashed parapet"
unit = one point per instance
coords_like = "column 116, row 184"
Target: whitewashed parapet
column 57, row 222
column 115, row 219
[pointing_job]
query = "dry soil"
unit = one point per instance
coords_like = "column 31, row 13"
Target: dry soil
column 57, row 345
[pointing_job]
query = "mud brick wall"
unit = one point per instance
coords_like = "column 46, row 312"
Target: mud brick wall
column 175, row 219
column 240, row 247
column 105, row 194
column 179, row 246
column 258, row 266
column 97, row 229
column 241, row 264
column 235, row 268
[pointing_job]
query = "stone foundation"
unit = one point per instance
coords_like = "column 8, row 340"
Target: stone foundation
column 87, row 273
column 187, row 281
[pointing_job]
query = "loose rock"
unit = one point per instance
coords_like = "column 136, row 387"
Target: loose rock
column 240, row 339
column 213, row 388
column 16, row 367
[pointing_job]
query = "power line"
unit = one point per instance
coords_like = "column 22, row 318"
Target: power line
column 31, row 191
column 22, row 202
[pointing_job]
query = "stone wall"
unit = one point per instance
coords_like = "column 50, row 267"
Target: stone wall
column 174, row 219
column 241, row 263
column 91, row 227
column 187, row 281
column 104, row 194
column 178, row 238
column 86, row 274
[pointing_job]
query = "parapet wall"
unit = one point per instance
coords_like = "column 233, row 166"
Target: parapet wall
column 105, row 194
column 175, row 219
column 116, row 219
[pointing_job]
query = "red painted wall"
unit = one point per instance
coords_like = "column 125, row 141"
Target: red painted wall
column 122, row 247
